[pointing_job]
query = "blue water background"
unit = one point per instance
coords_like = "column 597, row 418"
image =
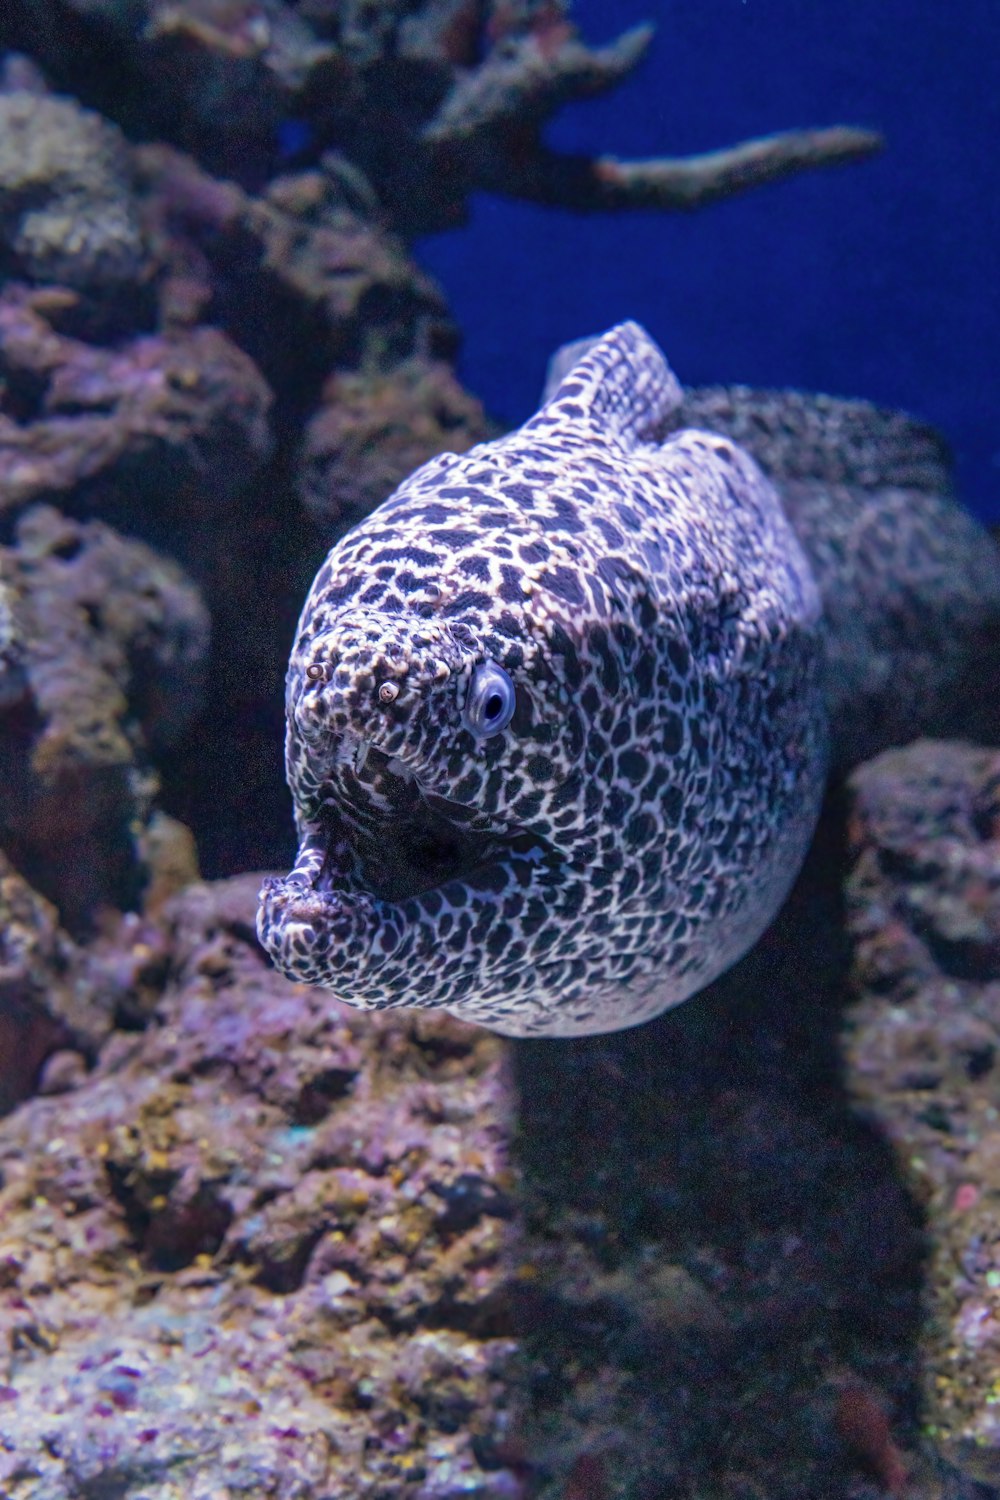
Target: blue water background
column 878, row 280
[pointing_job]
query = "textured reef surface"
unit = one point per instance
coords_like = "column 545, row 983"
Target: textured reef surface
column 923, row 1047
column 259, row 1248
column 253, row 1243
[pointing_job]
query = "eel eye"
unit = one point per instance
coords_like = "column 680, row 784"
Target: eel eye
column 490, row 705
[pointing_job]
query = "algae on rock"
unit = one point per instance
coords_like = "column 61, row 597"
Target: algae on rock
column 67, row 213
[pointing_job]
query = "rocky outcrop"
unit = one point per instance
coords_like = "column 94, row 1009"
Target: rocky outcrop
column 923, row 1054
column 106, row 653
column 371, row 431
column 263, row 1245
column 67, row 213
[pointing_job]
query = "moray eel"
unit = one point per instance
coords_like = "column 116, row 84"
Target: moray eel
column 559, row 711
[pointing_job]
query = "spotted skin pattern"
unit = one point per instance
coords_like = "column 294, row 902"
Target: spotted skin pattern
column 640, row 820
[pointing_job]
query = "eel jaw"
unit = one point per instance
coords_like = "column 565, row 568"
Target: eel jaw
column 360, row 889
column 311, row 919
column 312, row 935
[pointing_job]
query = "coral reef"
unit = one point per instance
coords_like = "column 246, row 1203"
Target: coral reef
column 923, row 1051
column 66, row 210
column 43, row 1004
column 59, row 1000
column 153, row 432
column 428, row 101
column 261, row 1248
column 110, row 643
column 273, row 1244
column 303, row 276
column 372, row 431
column 252, row 1242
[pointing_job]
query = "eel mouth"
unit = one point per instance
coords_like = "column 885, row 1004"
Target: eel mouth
column 403, row 840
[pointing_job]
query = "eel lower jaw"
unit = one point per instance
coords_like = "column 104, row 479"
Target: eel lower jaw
column 326, row 937
column 356, row 894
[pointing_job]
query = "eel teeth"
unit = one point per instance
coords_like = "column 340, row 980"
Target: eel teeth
column 361, row 755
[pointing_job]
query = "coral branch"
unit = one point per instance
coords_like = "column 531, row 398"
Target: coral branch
column 523, row 83
column 684, row 182
column 487, row 132
column 429, row 101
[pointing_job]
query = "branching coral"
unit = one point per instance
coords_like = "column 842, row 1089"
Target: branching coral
column 489, row 127
column 431, row 101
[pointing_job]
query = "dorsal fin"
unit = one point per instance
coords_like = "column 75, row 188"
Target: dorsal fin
column 616, row 382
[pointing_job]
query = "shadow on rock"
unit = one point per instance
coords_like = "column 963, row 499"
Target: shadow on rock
column 718, row 1248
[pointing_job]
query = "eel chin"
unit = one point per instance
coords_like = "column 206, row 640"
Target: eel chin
column 381, row 860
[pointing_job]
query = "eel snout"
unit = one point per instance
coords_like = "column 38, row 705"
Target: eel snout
column 312, row 934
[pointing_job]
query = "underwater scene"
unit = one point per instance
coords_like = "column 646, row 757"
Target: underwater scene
column 499, row 750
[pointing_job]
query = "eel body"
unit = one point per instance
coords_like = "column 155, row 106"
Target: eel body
column 559, row 711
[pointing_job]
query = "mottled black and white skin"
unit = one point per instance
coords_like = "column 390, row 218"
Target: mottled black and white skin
column 634, row 827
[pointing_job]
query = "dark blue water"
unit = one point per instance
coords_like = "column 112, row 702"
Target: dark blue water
column 877, row 280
